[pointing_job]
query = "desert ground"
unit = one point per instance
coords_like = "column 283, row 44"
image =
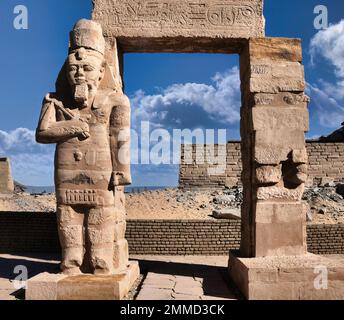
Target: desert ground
column 326, row 205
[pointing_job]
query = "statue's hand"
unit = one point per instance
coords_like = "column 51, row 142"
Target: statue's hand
column 120, row 178
column 84, row 132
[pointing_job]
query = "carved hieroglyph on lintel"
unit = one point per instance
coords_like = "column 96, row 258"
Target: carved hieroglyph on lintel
column 180, row 18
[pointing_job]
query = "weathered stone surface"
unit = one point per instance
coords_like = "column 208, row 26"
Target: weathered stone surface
column 43, row 286
column 180, row 25
column 281, row 99
column 227, row 214
column 274, row 77
column 82, row 287
column 268, row 174
column 279, row 193
column 275, row 49
column 280, row 229
column 86, row 117
column 287, row 278
column 6, row 180
column 291, row 118
column 274, row 146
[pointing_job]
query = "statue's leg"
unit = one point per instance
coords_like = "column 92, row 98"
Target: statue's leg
column 70, row 227
column 100, row 232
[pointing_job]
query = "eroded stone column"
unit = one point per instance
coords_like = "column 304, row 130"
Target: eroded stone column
column 274, row 121
column 6, row 180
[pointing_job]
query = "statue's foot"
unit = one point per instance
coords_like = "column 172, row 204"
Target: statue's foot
column 72, row 271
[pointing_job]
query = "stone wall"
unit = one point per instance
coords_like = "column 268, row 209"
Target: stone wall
column 6, row 181
column 37, row 232
column 325, row 164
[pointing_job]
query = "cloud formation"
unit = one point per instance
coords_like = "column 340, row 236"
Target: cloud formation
column 328, row 97
column 329, row 44
column 329, row 111
column 191, row 105
column 32, row 163
column 179, row 106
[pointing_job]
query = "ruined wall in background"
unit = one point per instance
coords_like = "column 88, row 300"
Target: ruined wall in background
column 325, row 165
column 38, row 233
column 6, row 180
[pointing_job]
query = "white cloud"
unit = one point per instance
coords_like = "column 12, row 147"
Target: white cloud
column 329, row 43
column 32, row 164
column 220, row 101
column 16, row 140
column 328, row 97
column 329, row 112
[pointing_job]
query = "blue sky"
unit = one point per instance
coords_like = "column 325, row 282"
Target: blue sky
column 169, row 90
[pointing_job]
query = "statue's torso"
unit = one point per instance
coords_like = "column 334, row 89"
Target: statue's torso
column 83, row 168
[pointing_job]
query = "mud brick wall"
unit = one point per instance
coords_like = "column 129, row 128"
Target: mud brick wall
column 325, row 164
column 37, row 232
column 175, row 237
column 326, row 239
column 28, row 232
column 196, row 172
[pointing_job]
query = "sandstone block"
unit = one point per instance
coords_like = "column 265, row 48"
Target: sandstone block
column 274, row 146
column 286, row 278
column 82, row 287
column 291, row 118
column 179, row 25
column 280, row 229
column 6, row 180
column 276, row 77
column 275, row 49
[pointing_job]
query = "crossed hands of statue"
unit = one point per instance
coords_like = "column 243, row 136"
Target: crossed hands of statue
column 78, row 124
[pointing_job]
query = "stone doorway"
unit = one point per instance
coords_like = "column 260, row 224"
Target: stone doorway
column 274, row 119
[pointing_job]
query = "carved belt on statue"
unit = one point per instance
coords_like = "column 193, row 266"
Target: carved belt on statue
column 88, row 197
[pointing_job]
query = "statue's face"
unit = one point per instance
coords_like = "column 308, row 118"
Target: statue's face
column 85, row 71
column 88, row 70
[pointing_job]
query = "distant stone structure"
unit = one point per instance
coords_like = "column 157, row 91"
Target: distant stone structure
column 325, row 164
column 6, row 180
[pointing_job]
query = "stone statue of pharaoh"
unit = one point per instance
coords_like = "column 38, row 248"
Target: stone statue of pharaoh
column 90, row 124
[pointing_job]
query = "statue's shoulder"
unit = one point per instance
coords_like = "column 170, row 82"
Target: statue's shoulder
column 118, row 99
column 111, row 99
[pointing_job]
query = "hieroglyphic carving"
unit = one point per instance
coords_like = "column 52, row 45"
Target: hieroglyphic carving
column 165, row 17
column 183, row 13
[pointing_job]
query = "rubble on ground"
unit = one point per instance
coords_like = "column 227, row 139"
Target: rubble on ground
column 326, row 204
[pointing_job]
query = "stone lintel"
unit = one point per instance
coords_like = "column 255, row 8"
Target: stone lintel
column 161, row 25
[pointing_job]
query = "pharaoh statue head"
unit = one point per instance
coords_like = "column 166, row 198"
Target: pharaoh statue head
column 85, row 66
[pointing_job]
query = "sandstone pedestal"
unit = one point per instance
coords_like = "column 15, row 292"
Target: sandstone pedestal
column 47, row 286
column 289, row 277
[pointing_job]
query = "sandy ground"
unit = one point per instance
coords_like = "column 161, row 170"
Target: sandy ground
column 171, row 204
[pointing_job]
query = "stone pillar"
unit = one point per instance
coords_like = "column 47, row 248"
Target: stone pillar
column 6, row 181
column 274, row 120
column 273, row 262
